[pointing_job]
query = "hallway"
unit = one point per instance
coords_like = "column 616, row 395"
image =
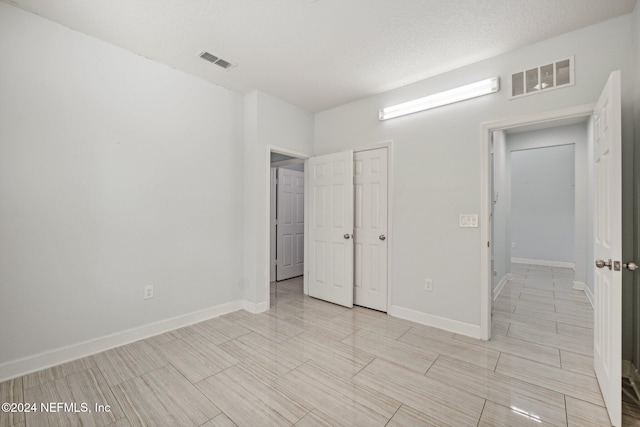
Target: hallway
column 540, row 307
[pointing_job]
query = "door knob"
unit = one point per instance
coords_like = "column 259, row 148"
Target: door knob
column 382, row 237
column 347, row 236
column 631, row 266
column 601, row 264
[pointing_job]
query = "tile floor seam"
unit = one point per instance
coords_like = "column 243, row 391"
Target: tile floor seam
column 112, row 393
column 142, row 374
column 508, row 328
column 361, row 369
column 394, row 414
column 482, row 412
column 432, row 363
column 404, row 333
column 115, row 395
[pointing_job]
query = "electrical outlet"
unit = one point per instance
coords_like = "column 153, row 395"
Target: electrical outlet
column 148, row 292
column 428, row 284
column 513, row 245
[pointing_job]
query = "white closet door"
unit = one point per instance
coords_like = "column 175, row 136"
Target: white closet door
column 290, row 229
column 370, row 186
column 331, row 227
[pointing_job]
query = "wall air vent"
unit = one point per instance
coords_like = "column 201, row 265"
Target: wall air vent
column 555, row 75
column 216, row 60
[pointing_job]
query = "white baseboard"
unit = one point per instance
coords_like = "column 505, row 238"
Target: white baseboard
column 37, row 362
column 544, row 262
column 590, row 297
column 450, row 325
column 500, row 285
column 579, row 286
column 254, row 308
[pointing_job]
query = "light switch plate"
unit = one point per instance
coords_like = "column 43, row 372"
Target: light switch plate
column 469, row 220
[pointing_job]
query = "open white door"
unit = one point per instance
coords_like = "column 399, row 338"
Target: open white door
column 370, row 181
column 331, row 227
column 608, row 246
column 290, row 228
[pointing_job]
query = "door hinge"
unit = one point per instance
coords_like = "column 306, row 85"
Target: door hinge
column 488, row 244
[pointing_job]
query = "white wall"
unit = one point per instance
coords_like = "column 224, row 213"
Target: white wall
column 577, row 135
column 501, row 240
column 269, row 121
column 111, row 179
column 437, row 159
column 542, row 203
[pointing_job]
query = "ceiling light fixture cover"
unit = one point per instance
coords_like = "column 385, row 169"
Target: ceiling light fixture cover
column 473, row 90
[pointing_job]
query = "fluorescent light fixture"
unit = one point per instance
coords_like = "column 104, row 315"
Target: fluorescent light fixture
column 473, row 90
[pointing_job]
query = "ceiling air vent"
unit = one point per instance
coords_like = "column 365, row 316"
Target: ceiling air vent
column 554, row 75
column 216, row 60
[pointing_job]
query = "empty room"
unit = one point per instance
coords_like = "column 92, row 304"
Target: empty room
column 319, row 212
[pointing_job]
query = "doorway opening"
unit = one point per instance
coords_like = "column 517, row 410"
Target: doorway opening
column 488, row 231
column 541, row 230
column 286, row 223
column 605, row 144
column 540, row 197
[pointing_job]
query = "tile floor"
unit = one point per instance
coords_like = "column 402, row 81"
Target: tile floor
column 310, row 363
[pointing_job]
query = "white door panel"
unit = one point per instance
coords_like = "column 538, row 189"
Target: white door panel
column 608, row 246
column 370, row 186
column 290, row 229
column 331, row 227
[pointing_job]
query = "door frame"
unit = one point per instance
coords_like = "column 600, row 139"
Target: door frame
column 388, row 144
column 486, row 292
column 267, row 215
column 273, row 188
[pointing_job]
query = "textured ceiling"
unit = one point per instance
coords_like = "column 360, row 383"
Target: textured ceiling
column 320, row 54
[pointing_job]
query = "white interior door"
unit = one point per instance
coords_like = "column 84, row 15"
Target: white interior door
column 331, row 227
column 290, row 225
column 370, row 186
column 608, row 246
